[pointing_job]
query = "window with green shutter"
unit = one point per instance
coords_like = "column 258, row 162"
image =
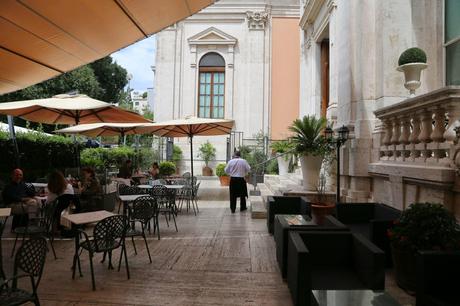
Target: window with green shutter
column 211, row 88
column 452, row 41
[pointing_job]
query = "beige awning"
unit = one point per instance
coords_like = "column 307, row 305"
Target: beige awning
column 189, row 127
column 69, row 109
column 41, row 39
column 104, row 129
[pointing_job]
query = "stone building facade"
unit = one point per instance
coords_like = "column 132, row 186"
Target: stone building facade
column 237, row 59
column 401, row 150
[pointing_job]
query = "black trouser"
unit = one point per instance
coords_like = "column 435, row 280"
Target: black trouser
column 238, row 190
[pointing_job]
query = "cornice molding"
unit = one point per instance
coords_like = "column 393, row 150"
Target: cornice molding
column 212, row 36
column 310, row 12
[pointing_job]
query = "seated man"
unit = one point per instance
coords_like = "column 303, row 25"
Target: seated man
column 20, row 198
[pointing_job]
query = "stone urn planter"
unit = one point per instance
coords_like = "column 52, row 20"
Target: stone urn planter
column 412, row 73
column 283, row 165
column 311, row 166
column 207, row 171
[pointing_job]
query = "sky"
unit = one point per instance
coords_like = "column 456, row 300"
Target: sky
column 137, row 59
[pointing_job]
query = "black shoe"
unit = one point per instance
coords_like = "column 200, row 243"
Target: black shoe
column 243, row 209
column 233, row 211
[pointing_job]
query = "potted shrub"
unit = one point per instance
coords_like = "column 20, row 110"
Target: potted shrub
column 223, row 177
column 207, row 153
column 412, row 62
column 282, row 148
column 421, row 227
column 311, row 146
column 167, row 168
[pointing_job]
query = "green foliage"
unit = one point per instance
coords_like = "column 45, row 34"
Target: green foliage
column 308, row 138
column 425, row 226
column 412, row 55
column 177, row 154
column 282, row 146
column 112, row 79
column 207, row 152
column 146, row 157
column 147, row 113
column 167, row 168
column 38, row 153
column 272, row 167
column 220, row 169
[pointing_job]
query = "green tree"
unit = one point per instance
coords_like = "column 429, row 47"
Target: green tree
column 112, row 79
column 147, row 113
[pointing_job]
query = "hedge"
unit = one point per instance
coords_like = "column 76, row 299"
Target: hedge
column 38, row 154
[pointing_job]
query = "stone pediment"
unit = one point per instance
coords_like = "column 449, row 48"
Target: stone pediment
column 212, row 36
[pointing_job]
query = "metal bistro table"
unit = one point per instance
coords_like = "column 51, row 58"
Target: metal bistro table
column 79, row 220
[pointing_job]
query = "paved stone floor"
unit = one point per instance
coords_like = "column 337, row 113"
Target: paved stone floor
column 216, row 258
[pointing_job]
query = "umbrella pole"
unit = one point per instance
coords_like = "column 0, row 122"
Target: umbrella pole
column 13, row 138
column 191, row 158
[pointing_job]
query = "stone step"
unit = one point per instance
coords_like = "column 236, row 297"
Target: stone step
column 258, row 210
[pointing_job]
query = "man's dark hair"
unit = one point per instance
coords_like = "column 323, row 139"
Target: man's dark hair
column 237, row 154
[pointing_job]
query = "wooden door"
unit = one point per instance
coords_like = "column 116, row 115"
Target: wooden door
column 324, row 77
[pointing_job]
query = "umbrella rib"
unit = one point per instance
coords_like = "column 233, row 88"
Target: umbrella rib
column 32, row 60
column 60, row 28
column 95, row 113
column 129, row 15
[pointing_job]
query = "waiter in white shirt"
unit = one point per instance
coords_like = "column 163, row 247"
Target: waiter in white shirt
column 237, row 168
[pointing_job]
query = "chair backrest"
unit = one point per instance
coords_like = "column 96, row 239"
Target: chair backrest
column 30, row 258
column 195, row 188
column 48, row 213
column 30, row 188
column 186, row 175
column 161, row 194
column 109, row 232
column 144, row 209
column 127, row 190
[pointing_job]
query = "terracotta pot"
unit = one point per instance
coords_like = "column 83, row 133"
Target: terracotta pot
column 405, row 268
column 320, row 211
column 224, row 180
column 207, row 171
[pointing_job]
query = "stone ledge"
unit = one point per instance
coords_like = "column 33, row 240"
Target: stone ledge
column 419, row 172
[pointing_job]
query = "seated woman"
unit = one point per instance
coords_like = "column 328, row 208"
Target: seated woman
column 90, row 188
column 58, row 187
column 155, row 171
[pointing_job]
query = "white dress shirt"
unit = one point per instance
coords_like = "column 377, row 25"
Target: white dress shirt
column 51, row 196
column 237, row 167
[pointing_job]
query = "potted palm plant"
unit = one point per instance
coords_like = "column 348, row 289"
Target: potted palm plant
column 207, row 153
column 412, row 62
column 223, row 177
column 282, row 149
column 311, row 146
column 421, row 227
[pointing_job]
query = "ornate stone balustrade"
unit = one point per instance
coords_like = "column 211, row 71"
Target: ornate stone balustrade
column 420, row 130
column 416, row 152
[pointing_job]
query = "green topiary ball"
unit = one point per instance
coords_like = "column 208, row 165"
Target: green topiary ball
column 412, row 55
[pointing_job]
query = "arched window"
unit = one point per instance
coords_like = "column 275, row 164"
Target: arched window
column 212, row 86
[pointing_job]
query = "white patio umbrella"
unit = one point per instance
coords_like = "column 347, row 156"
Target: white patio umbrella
column 190, row 127
column 42, row 39
column 105, row 129
column 69, row 109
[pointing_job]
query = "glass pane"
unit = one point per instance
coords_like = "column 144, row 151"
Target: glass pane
column 202, row 89
column 216, row 78
column 221, row 78
column 201, row 100
column 208, row 78
column 200, row 112
column 202, row 77
column 215, row 112
column 221, row 100
column 207, row 113
column 221, row 89
column 221, row 112
column 208, row 101
column 452, row 19
column 216, row 89
column 215, row 101
column 208, row 89
column 453, row 64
